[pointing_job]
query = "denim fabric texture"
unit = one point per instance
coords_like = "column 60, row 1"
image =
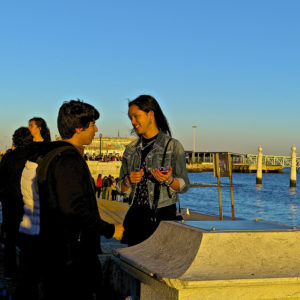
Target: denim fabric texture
column 175, row 157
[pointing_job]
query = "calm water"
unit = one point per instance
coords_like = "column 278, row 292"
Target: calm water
column 273, row 201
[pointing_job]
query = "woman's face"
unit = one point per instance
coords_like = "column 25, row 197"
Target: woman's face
column 34, row 129
column 140, row 120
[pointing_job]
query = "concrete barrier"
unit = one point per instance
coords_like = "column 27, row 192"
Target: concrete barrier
column 104, row 168
column 216, row 260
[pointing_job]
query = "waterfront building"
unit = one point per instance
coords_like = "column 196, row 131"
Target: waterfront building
column 109, row 146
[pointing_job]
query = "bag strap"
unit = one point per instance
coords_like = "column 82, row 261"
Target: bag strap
column 165, row 152
column 157, row 184
column 44, row 162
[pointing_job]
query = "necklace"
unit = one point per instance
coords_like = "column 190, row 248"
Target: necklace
column 147, row 145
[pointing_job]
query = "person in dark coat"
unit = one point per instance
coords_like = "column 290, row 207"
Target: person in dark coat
column 11, row 167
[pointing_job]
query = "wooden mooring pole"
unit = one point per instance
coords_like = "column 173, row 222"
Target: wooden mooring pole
column 231, row 186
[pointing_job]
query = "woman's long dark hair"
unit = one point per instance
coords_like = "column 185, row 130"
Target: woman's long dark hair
column 148, row 103
column 45, row 132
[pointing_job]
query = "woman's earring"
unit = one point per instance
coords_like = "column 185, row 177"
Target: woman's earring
column 150, row 122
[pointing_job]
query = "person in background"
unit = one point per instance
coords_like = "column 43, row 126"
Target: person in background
column 29, row 271
column 71, row 226
column 39, row 130
column 11, row 167
column 140, row 175
column 113, row 189
column 99, row 185
column 105, row 183
column 108, row 189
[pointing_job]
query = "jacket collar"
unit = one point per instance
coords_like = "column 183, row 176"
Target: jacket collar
column 158, row 141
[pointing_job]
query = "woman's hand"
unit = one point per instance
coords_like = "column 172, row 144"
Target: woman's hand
column 133, row 177
column 136, row 177
column 161, row 176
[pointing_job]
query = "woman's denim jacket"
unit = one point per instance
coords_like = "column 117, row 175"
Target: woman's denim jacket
column 175, row 157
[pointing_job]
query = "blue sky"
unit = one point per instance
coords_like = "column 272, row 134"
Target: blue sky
column 232, row 68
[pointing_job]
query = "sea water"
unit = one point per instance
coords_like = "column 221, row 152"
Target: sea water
column 273, row 200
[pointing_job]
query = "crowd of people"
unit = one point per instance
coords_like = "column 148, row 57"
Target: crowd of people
column 106, row 188
column 49, row 198
column 103, row 158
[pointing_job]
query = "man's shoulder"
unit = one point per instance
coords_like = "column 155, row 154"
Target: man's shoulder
column 60, row 150
column 58, row 156
column 37, row 150
column 13, row 158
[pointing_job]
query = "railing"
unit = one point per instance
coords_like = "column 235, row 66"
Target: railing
column 272, row 160
column 251, row 159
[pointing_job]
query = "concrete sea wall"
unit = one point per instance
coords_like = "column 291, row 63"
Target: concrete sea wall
column 105, row 168
column 113, row 168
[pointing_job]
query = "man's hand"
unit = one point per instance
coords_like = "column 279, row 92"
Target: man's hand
column 119, row 229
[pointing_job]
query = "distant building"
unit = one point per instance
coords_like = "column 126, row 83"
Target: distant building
column 109, row 145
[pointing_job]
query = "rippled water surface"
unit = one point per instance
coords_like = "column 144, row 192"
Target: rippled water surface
column 272, row 201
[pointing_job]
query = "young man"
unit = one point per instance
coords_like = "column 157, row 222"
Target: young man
column 70, row 224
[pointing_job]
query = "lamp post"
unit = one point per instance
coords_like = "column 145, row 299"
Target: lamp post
column 100, row 138
column 194, row 147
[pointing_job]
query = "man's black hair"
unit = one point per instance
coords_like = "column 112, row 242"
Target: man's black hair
column 22, row 137
column 75, row 114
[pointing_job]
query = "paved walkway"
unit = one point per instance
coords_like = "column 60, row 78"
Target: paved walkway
column 111, row 211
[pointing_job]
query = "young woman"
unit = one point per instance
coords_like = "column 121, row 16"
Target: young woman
column 39, row 130
column 152, row 187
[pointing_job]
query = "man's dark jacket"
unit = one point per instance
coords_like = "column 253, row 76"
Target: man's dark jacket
column 70, row 221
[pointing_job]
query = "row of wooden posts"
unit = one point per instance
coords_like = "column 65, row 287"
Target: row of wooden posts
column 223, row 168
column 293, row 177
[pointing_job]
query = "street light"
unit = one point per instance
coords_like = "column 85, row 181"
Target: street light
column 100, row 137
column 194, row 147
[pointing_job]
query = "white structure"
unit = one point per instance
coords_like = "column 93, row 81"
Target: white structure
column 293, row 178
column 259, row 166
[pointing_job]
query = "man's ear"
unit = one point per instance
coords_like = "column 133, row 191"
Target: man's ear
column 78, row 130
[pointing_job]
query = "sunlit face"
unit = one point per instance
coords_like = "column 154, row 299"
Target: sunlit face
column 140, row 120
column 87, row 135
column 34, row 129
